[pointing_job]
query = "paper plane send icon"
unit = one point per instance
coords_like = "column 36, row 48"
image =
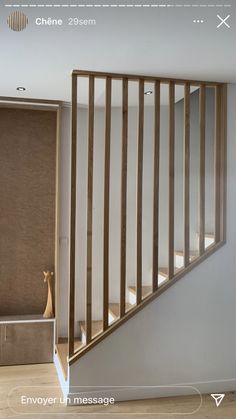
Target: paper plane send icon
column 218, row 398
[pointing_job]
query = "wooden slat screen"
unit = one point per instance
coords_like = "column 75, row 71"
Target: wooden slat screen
column 171, row 271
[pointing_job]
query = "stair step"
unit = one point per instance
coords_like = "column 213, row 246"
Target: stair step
column 163, row 272
column 179, row 258
column 114, row 309
column 179, row 254
column 97, row 328
column 209, row 239
column 162, row 276
column 210, row 235
column 97, row 325
column 146, row 290
column 193, row 253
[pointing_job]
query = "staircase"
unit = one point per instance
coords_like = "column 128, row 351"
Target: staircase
column 114, row 308
column 134, row 297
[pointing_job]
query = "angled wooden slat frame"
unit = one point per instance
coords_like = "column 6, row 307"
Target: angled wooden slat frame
column 222, row 92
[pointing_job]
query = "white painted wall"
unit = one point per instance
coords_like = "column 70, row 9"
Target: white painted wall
column 131, row 199
column 194, row 170
column 187, row 335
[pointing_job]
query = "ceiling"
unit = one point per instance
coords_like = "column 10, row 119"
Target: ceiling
column 160, row 41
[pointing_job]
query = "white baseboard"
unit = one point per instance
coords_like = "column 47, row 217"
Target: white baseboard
column 122, row 393
column 63, row 382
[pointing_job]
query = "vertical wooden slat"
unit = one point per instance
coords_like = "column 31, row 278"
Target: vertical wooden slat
column 202, row 114
column 140, row 190
column 90, row 210
column 186, row 171
column 106, row 204
column 57, row 225
column 156, row 166
column 72, row 216
column 217, row 162
column 171, row 177
column 124, row 196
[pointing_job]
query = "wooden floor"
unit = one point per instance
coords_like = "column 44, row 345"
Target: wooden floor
column 43, row 377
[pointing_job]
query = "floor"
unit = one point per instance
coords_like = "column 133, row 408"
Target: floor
column 14, row 382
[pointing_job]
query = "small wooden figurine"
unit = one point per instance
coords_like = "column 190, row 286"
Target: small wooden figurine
column 48, row 313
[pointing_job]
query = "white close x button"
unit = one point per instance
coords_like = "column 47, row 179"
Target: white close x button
column 223, row 21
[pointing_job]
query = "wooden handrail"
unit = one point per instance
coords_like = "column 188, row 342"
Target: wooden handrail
column 190, row 258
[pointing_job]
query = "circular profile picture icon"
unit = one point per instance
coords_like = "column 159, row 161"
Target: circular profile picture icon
column 17, row 21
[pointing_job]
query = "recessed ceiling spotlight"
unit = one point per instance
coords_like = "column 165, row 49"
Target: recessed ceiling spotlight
column 21, row 89
column 148, row 92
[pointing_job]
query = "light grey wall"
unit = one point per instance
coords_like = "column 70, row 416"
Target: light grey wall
column 115, row 190
column 187, row 335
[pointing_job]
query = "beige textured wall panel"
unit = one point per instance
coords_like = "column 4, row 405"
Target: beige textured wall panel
column 27, row 208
